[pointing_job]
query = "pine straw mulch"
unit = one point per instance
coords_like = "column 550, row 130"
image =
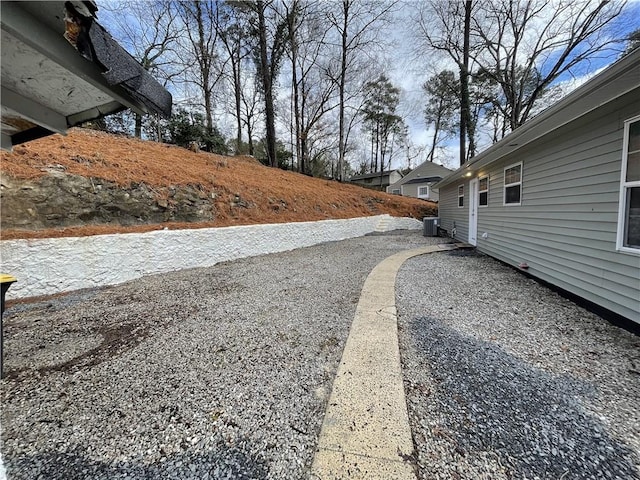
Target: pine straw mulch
column 273, row 195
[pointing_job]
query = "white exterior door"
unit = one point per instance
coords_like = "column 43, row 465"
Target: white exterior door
column 473, row 212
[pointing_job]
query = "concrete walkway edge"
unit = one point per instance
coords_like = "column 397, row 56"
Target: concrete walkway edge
column 366, row 432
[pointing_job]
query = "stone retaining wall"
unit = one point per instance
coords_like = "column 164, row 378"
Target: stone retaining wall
column 54, row 265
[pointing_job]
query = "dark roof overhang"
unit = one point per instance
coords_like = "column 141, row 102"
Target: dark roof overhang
column 373, row 175
column 423, row 180
column 61, row 68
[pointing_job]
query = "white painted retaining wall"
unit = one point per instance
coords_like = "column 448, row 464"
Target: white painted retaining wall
column 54, row 265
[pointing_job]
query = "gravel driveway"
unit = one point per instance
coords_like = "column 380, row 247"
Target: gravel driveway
column 224, row 372
column 220, row 372
column 506, row 379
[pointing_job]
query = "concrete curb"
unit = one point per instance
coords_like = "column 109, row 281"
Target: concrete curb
column 366, row 433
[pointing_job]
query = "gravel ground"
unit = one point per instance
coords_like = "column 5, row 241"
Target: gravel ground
column 224, row 372
column 506, row 379
column 220, row 372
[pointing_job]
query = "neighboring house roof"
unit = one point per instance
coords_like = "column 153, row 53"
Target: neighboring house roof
column 620, row 78
column 422, row 180
column 61, row 68
column 423, row 173
column 374, row 175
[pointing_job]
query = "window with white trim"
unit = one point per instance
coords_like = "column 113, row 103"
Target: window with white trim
column 395, row 191
column 513, row 184
column 460, row 196
column 423, row 192
column 483, row 191
column 629, row 214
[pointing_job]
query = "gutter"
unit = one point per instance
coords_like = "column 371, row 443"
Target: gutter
column 118, row 67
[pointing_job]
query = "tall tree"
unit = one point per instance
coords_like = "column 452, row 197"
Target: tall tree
column 250, row 111
column 269, row 29
column 443, row 102
column 466, row 128
column 356, row 22
column 446, row 28
column 486, row 105
column 520, row 46
column 294, row 13
column 528, row 44
column 232, row 31
column 200, row 18
column 442, row 110
column 379, row 113
column 312, row 88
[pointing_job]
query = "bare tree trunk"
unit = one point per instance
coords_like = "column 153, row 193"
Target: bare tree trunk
column 249, row 103
column 382, row 149
column 158, row 128
column 238, row 98
column 464, row 83
column 373, row 146
column 378, row 149
column 304, row 150
column 293, row 45
column 343, row 79
column 265, row 70
column 357, row 24
column 138, row 126
column 432, row 151
column 205, row 66
column 250, row 141
column 229, row 28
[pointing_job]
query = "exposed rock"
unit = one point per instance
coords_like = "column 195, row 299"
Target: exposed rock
column 60, row 199
column 238, row 201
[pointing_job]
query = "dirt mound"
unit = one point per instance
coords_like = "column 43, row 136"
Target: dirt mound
column 89, row 183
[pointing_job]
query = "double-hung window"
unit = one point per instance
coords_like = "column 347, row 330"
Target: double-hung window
column 629, row 213
column 483, row 191
column 423, row 192
column 513, row 184
column 460, row 196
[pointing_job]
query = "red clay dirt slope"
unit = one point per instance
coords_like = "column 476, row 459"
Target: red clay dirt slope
column 240, row 190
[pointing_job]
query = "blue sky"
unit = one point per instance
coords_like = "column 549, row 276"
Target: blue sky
column 411, row 74
column 622, row 26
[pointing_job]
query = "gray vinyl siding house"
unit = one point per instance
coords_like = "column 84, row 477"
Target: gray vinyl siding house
column 419, row 183
column 572, row 193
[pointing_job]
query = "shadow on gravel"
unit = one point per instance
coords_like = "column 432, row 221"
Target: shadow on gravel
column 534, row 421
column 464, row 252
column 106, row 321
column 222, row 463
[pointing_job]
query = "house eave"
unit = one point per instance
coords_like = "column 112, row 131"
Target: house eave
column 52, row 84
